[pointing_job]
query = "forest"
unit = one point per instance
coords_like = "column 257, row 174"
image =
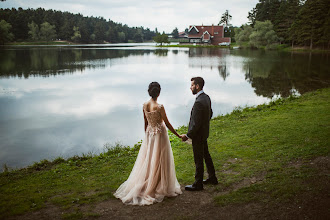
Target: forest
column 293, row 22
column 46, row 25
column 271, row 22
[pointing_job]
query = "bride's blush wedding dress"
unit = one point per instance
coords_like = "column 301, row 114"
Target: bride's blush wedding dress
column 153, row 175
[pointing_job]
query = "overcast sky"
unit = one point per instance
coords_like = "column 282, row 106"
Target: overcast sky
column 162, row 14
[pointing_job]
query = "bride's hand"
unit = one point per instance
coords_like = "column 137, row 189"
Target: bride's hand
column 180, row 136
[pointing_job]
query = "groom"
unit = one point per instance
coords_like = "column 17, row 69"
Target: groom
column 198, row 131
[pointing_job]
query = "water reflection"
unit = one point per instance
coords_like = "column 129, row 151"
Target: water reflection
column 275, row 73
column 210, row 58
column 29, row 62
column 64, row 101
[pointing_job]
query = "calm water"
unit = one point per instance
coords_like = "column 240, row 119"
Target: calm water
column 64, row 101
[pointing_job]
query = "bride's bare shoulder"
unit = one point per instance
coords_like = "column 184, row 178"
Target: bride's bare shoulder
column 145, row 105
column 161, row 106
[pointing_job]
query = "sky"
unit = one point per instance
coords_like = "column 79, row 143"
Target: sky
column 165, row 15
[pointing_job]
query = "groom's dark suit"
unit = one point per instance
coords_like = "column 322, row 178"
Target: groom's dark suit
column 198, row 131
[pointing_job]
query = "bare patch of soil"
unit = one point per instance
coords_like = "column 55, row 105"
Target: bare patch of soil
column 200, row 205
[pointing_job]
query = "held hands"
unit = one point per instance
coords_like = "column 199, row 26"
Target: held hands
column 184, row 137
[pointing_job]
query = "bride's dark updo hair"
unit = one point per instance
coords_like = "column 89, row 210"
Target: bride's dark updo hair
column 154, row 89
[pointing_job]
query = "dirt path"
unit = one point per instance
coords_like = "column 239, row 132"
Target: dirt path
column 200, row 205
column 194, row 205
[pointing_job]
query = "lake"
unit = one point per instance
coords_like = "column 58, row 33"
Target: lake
column 69, row 100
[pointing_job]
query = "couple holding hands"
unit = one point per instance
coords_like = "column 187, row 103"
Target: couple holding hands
column 153, row 175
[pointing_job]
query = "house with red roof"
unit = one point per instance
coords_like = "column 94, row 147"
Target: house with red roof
column 207, row 34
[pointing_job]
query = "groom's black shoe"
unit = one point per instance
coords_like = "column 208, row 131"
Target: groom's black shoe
column 212, row 181
column 194, row 187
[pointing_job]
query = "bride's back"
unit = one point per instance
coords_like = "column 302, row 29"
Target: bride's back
column 153, row 114
column 151, row 106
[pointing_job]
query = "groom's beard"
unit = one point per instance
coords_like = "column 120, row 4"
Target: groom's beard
column 194, row 91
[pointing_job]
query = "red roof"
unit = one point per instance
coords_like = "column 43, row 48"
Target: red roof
column 202, row 29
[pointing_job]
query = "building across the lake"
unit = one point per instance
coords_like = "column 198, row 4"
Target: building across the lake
column 207, row 35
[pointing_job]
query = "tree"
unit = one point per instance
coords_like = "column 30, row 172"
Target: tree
column 92, row 29
column 76, row 34
column 310, row 25
column 252, row 16
column 326, row 34
column 47, row 31
column 230, row 33
column 5, row 34
column 121, row 36
column 265, row 10
column 285, row 17
column 263, row 34
column 243, row 34
column 100, row 29
column 161, row 38
column 175, row 33
column 225, row 18
column 138, row 37
column 34, row 31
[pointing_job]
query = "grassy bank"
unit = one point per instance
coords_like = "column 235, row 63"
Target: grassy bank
column 194, row 46
column 261, row 154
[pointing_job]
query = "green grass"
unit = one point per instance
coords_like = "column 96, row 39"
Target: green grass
column 259, row 143
column 193, row 46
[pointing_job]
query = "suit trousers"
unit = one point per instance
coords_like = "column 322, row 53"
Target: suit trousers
column 201, row 153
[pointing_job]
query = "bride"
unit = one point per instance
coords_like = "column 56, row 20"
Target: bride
column 153, row 175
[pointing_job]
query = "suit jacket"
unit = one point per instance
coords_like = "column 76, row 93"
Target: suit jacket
column 201, row 113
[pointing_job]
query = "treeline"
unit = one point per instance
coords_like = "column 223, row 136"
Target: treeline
column 40, row 24
column 295, row 22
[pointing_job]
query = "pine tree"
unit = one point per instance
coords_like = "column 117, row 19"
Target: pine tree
column 310, row 25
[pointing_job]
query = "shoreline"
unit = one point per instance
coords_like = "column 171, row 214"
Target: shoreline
column 270, row 157
column 116, row 146
column 285, row 48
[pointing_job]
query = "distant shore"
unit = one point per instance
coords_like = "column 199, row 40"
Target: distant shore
column 282, row 47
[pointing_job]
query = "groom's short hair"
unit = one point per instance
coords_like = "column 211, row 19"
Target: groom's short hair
column 198, row 81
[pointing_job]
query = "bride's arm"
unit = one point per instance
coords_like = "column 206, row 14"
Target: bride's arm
column 168, row 124
column 145, row 121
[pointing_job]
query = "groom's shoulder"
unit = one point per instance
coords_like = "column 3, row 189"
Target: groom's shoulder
column 204, row 95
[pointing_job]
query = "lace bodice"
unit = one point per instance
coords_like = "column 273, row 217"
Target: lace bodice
column 154, row 119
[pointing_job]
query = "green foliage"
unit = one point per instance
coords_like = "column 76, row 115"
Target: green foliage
column 301, row 22
column 138, row 37
column 225, row 19
column 121, row 36
column 311, row 25
column 5, row 34
column 161, row 38
column 76, row 34
column 47, row 32
column 252, row 16
column 175, row 33
column 34, row 31
column 92, row 29
column 263, row 35
column 285, row 17
column 243, row 34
